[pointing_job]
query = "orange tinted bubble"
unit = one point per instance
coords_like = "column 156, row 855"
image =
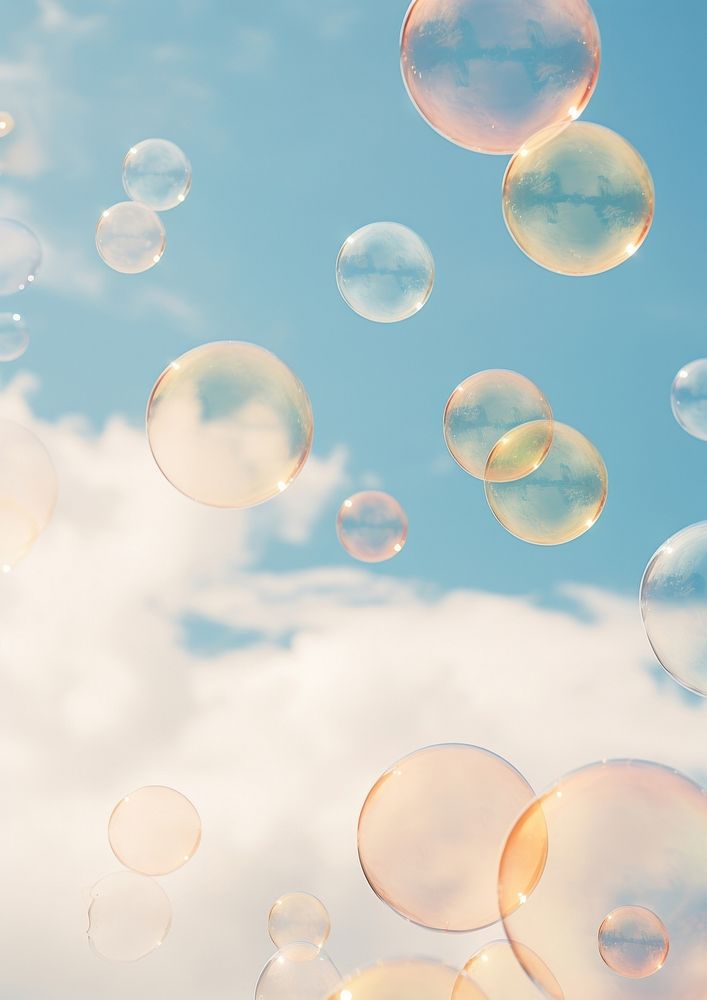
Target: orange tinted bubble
column 619, row 833
column 298, row 917
column 20, row 256
column 561, row 499
column 128, row 917
column 130, row 237
column 298, row 972
column 28, row 491
column 453, row 806
column 406, row 980
column 633, row 941
column 496, row 970
column 372, row 526
column 154, row 830
column 486, row 406
column 229, row 424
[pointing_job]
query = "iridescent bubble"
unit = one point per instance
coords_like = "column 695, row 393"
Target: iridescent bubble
column 14, row 336
column 414, row 979
column 561, row 499
column 451, row 805
column 482, row 409
column 372, row 526
column 633, row 941
column 229, row 424
column 489, row 73
column 688, row 398
column 154, row 830
column 20, row 256
column 130, row 237
column 298, row 917
column 28, row 492
column 156, row 173
column 579, row 200
column 129, row 916
column 298, row 972
column 385, row 272
column 7, row 123
column 495, row 969
column 619, row 832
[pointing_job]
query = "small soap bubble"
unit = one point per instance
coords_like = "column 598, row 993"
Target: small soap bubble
column 156, row 173
column 154, row 830
column 130, row 237
column 688, row 398
column 372, row 526
column 28, row 491
column 298, row 972
column 20, row 256
column 298, row 917
column 14, row 336
column 633, row 941
column 497, row 972
column 129, row 916
column 7, row 123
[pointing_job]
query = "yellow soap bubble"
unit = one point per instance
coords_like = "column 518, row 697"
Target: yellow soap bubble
column 298, row 972
column 298, row 917
column 7, row 123
column 28, row 491
column 20, row 256
column 412, row 979
column 14, row 336
column 130, row 237
column 129, row 916
column 157, row 173
column 633, row 942
column 495, row 969
column 372, row 526
column 154, row 830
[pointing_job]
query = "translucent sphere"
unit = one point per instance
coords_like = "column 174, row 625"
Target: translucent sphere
column 28, row 491
column 633, row 941
column 298, row 972
column 372, row 526
column 154, row 830
column 385, row 272
column 561, row 499
column 14, row 336
column 578, row 200
column 489, row 73
column 453, row 806
column 20, row 256
column 414, row 979
column 496, row 971
column 129, row 916
column 7, row 123
column 618, row 832
column 130, row 237
column 482, row 409
column 688, row 398
column 298, row 917
column 156, row 173
column 229, row 424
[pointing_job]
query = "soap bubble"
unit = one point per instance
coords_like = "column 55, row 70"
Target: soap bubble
column 372, row 526
column 229, row 424
column 489, row 73
column 495, row 969
column 688, row 398
column 20, row 256
column 156, row 173
column 14, row 336
column 298, row 972
column 578, row 201
column 633, row 941
column 128, row 917
column 7, row 123
column 385, row 272
column 482, row 409
column 28, row 491
column 565, row 495
column 619, row 833
column 130, row 237
column 414, row 979
column 298, row 917
column 453, row 806
column 154, row 830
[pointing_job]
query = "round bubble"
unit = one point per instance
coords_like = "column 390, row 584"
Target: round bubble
column 620, row 833
column 28, row 492
column 453, row 806
column 578, row 201
column 14, row 336
column 229, row 424
column 7, row 123
column 385, row 272
column 154, row 830
column 130, row 237
column 20, row 256
column 156, row 173
column 482, row 409
column 129, row 916
column 565, row 495
column 633, row 941
column 496, row 971
column 489, row 73
column 298, row 917
column 372, row 526
column 414, row 979
column 688, row 398
column 298, row 972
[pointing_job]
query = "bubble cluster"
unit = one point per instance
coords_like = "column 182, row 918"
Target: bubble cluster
column 7, row 123
column 298, row 917
column 130, row 237
column 414, row 979
column 14, row 336
column 157, row 173
column 28, row 491
column 372, row 526
column 633, row 942
column 497, row 972
column 129, row 916
column 20, row 256
column 298, row 972
column 154, row 830
column 688, row 398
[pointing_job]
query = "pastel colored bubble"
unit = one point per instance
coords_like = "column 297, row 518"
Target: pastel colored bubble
column 229, row 424
column 620, row 833
column 579, row 200
column 28, row 491
column 688, row 398
column 157, row 173
column 385, row 272
column 482, row 409
column 7, row 123
column 413, row 979
column 496, row 971
column 562, row 499
column 154, row 830
column 633, row 942
column 14, row 336
column 129, row 916
column 130, row 237
column 372, row 526
column 298, row 917
column 298, row 972
column 488, row 74
column 20, row 256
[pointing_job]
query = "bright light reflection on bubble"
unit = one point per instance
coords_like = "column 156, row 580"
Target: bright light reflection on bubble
column 129, row 916
column 130, row 237
column 157, row 173
column 688, row 398
column 633, row 942
column 298, row 972
column 7, row 123
column 298, row 917
column 496, row 971
column 372, row 526
column 414, row 979
column 28, row 491
column 154, row 830
column 14, row 336
column 20, row 256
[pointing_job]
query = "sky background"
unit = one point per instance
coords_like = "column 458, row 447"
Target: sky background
column 242, row 657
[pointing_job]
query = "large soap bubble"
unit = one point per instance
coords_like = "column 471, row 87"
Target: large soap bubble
column 154, row 830
column 20, row 256
column 28, row 491
column 14, row 336
column 298, row 972
column 412, row 979
column 156, row 173
column 487, row 74
column 688, row 398
column 130, row 237
column 229, row 424
column 633, row 942
column 298, row 917
column 372, row 526
column 129, row 916
column 495, row 969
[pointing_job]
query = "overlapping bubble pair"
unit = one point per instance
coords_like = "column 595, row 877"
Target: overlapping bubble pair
column 299, row 927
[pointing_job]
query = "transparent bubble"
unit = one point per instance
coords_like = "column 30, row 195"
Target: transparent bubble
column 674, row 606
column 229, row 424
column 561, row 499
column 154, row 830
column 633, row 941
column 578, row 201
column 130, row 237
column 688, row 398
column 20, row 256
column 453, row 806
column 7, row 123
column 298, row 917
column 372, row 526
column 28, row 492
column 489, row 73
column 385, row 272
column 482, row 409
column 414, row 979
column 156, row 173
column 298, row 972
column 14, row 336
column 495, row 969
column 128, row 917
column 619, row 832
